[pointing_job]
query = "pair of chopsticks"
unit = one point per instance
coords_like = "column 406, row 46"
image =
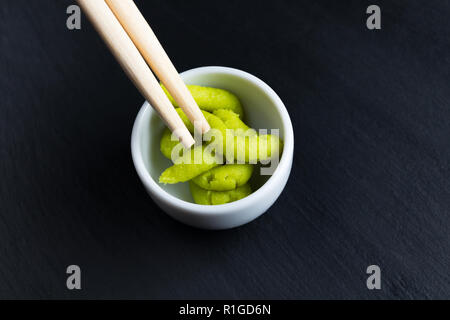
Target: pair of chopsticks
column 131, row 40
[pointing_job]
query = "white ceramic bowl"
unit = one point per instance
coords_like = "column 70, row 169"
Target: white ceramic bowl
column 263, row 110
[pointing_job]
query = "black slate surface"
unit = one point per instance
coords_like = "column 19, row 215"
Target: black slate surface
column 370, row 181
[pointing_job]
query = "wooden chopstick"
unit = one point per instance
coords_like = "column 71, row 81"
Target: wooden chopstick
column 148, row 44
column 134, row 65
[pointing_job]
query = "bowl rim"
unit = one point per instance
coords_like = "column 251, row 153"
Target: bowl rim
column 274, row 179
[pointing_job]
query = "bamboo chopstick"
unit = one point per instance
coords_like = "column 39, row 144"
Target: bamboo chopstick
column 134, row 65
column 148, row 44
